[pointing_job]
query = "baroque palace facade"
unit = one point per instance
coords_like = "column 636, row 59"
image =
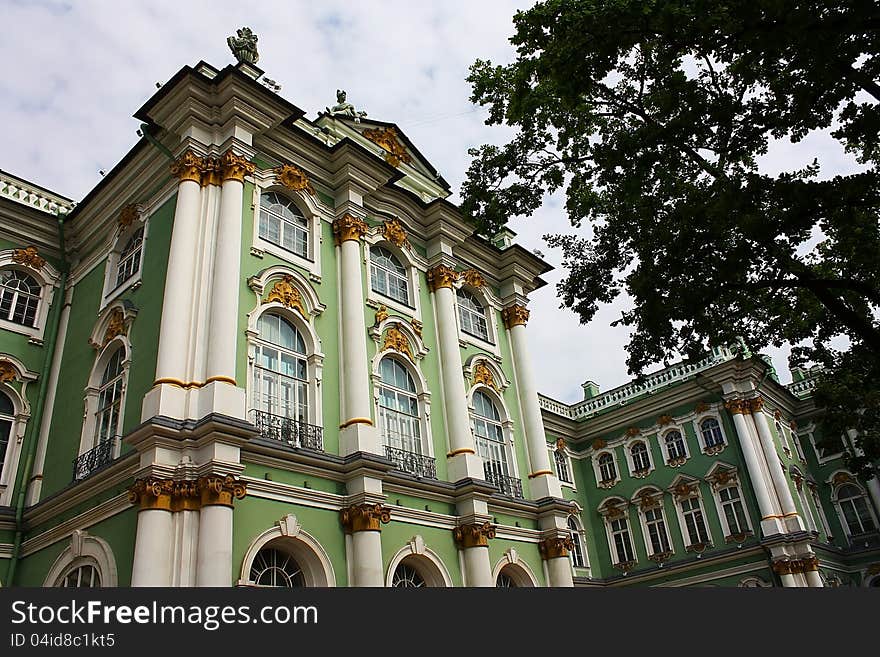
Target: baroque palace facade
column 266, row 351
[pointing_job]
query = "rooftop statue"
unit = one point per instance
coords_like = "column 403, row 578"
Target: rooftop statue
column 244, row 47
column 345, row 108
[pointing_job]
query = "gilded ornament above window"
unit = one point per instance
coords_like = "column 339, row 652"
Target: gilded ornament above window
column 7, row 371
column 381, row 315
column 28, row 257
column 287, row 295
column 663, row 420
column 397, row 341
column 483, row 375
column 395, row 233
column 293, row 178
column 115, row 327
column 472, row 278
column 386, row 138
column 129, row 214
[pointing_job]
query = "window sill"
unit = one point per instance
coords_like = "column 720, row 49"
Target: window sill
column 640, row 474
column 676, row 462
column 130, row 284
column 607, row 483
column 714, row 449
column 376, row 299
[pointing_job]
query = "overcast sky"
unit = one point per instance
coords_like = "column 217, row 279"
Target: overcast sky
column 75, row 72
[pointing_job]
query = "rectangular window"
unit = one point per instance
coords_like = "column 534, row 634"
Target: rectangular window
column 562, row 469
column 694, row 522
column 622, row 543
column 656, row 531
column 733, row 511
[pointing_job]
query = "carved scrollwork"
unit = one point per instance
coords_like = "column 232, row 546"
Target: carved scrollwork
column 364, row 517
column 285, row 293
column 473, row 535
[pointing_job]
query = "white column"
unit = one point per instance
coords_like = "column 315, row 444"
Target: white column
column 814, row 580
column 152, row 561
column 363, row 522
column 791, row 518
column 357, row 431
column 559, row 570
column 473, row 541
column 214, row 552
column 462, row 459
column 544, row 482
column 788, row 580
column 770, row 524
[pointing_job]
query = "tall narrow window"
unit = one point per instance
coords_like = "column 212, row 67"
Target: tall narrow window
column 674, row 446
column 283, row 224
column 7, row 418
column 491, row 447
column 854, row 507
column 657, row 534
column 110, row 399
column 398, row 408
column 607, row 471
column 562, row 469
column 472, row 316
column 130, row 258
column 639, row 453
column 694, row 521
column 711, row 432
column 280, row 367
column 387, row 275
column 577, row 549
column 734, row 513
column 783, row 439
column 623, row 548
column 19, row 297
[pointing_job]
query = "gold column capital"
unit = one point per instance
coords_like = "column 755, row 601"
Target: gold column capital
column 555, row 547
column 441, row 276
column 738, row 406
column 215, row 490
column 151, row 493
column 756, row 405
column 185, row 496
column 364, row 517
column 235, row 167
column 515, row 315
column 473, row 535
column 349, row 227
column 188, row 166
column 810, row 563
column 212, row 172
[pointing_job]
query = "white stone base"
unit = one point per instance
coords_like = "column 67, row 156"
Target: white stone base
column 360, row 438
column 545, row 486
column 164, row 399
column 794, row 524
column 772, row 526
column 464, row 466
column 218, row 397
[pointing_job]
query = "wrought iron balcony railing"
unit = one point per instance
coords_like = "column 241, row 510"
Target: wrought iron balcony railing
column 288, row 430
column 97, row 457
column 510, row 486
column 415, row 464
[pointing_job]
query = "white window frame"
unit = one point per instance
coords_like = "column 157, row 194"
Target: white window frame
column 492, row 309
column 696, row 494
column 112, row 291
column 608, row 520
column 578, row 530
column 507, row 425
column 783, row 438
column 810, row 517
column 556, row 453
column 47, row 278
column 21, row 413
column 868, row 503
column 698, row 431
column 719, row 507
column 817, row 503
column 664, row 447
column 89, row 436
column 655, row 504
column 415, row 267
column 312, row 209
column 84, row 550
column 598, row 472
column 631, row 463
column 823, row 459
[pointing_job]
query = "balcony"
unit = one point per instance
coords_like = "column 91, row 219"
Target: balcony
column 510, row 486
column 289, row 431
column 415, row 464
column 97, row 457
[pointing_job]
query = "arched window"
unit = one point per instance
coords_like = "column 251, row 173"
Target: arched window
column 130, row 257
column 398, row 408
column 407, row 577
column 505, row 581
column 711, row 432
column 674, row 446
column 280, row 370
column 387, row 275
column 19, row 297
column 856, row 512
column 274, row 567
column 640, row 460
column 81, row 577
column 282, row 223
column 7, row 418
column 577, row 549
column 490, row 444
column 110, row 400
column 606, row 467
column 472, row 315
column 783, row 438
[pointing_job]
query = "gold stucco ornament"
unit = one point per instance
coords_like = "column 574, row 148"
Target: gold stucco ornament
column 28, row 257
column 386, row 138
column 293, row 178
column 287, row 295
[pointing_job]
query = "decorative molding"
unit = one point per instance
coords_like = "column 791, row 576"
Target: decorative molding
column 293, row 178
column 598, row 444
column 702, row 407
column 220, row 491
column 129, row 214
column 417, row 327
column 663, row 420
column 285, row 293
column 394, row 232
column 473, row 535
column 441, row 276
column 115, row 326
column 235, row 167
column 349, row 227
column 8, row 372
column 386, row 138
column 632, row 432
column 397, row 341
column 472, row 278
column 380, row 316
column 150, row 493
column 28, row 257
column 738, row 406
column 756, row 405
column 188, row 166
column 482, row 375
column 555, row 547
column 515, row 315
column 364, row 517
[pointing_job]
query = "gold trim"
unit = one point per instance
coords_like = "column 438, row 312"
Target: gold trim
column 472, row 278
column 738, row 406
column 151, row 494
column 473, row 535
column 515, row 315
column 7, row 371
column 386, row 138
column 211, row 174
column 555, row 547
column 188, row 166
column 285, row 293
column 356, row 420
column 185, row 496
column 396, row 340
column 294, row 178
column 220, row 378
column 756, row 405
column 220, row 491
column 460, row 450
column 540, row 473
column 129, row 214
column 348, row 228
column 171, row 382
column 394, row 232
column 441, row 276
column 235, row 167
column 483, row 375
column 364, row 518
column 28, row 257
